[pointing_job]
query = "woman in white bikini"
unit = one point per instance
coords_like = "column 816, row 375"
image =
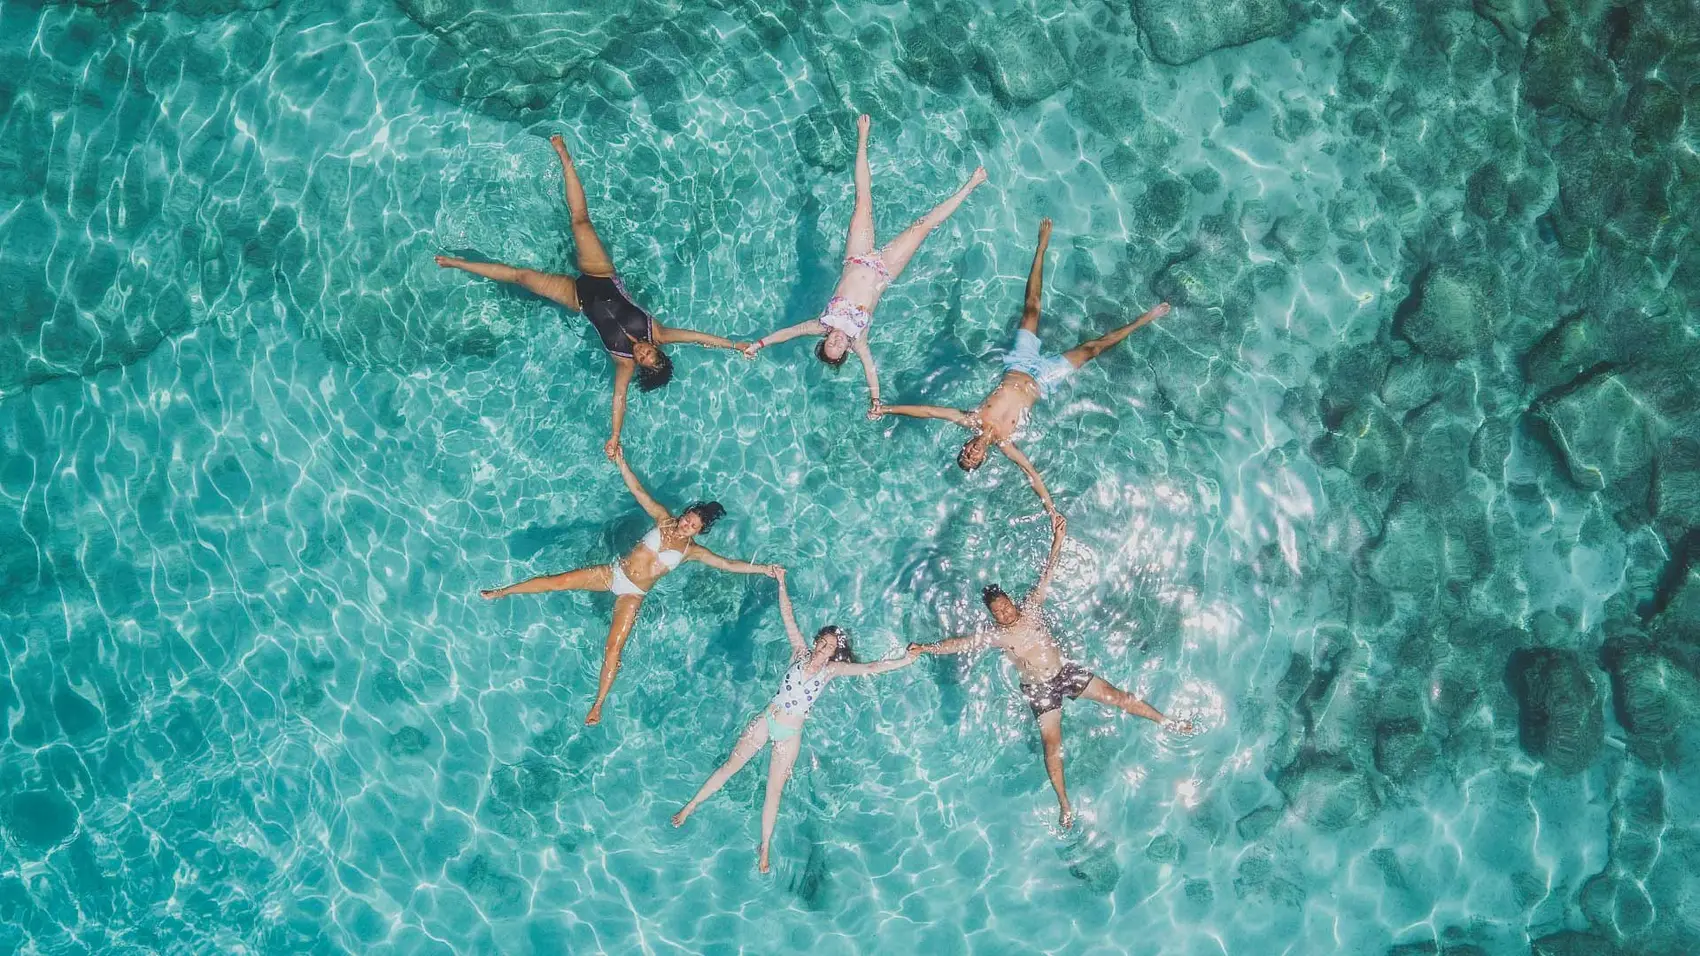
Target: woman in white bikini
column 867, row 273
column 667, row 545
column 782, row 721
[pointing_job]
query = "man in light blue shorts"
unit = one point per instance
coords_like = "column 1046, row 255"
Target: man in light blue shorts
column 1029, row 375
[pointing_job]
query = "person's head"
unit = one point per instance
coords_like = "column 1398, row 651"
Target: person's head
column 832, row 348
column 700, row 517
column 654, row 368
column 973, row 454
column 1003, row 609
column 832, row 636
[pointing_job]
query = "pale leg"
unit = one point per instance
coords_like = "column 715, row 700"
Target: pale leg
column 598, row 578
column 779, row 763
column 899, row 251
column 1036, row 281
column 592, row 258
column 1050, row 733
column 1092, row 348
column 861, row 241
column 1110, row 695
column 625, row 615
column 749, row 744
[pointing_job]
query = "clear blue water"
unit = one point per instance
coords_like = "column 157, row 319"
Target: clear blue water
column 1399, row 504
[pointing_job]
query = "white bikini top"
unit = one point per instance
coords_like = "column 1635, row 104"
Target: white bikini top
column 797, row 693
column 652, row 541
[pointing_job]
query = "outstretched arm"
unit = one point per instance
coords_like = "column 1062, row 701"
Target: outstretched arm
column 668, row 335
column 860, row 346
column 811, row 327
column 792, row 632
column 953, row 645
column 877, row 667
column 697, row 552
column 646, row 501
column 623, row 369
column 952, row 415
column 1059, row 530
column 1014, row 454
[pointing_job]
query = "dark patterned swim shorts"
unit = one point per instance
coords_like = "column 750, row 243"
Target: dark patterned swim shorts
column 1048, row 696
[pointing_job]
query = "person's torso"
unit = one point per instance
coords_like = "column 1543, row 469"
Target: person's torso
column 860, row 284
column 1002, row 411
column 617, row 320
column 1030, row 647
column 644, row 564
column 799, row 689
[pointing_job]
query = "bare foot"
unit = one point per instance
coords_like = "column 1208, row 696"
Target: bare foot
column 764, row 866
column 683, row 815
column 1161, row 310
column 862, row 124
column 449, row 262
column 560, row 146
column 1067, row 818
column 978, row 177
column 595, row 715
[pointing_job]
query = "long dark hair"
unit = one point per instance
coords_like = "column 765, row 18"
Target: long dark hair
column 842, row 653
column 990, row 593
column 708, row 511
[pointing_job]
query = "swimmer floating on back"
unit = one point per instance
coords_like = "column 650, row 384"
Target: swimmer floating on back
column 782, row 722
column 1028, row 376
column 631, row 336
column 867, row 273
column 670, row 542
column 1020, row 631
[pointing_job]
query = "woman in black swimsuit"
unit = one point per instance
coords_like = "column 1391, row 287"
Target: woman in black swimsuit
column 632, row 336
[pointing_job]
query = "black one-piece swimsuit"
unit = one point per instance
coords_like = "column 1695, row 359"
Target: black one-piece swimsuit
column 611, row 311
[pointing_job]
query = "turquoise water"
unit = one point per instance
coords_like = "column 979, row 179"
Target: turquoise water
column 1399, row 504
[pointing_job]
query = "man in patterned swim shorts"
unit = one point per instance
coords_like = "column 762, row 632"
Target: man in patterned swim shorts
column 1029, row 375
column 1047, row 677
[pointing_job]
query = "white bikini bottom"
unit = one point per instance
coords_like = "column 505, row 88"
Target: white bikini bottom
column 623, row 585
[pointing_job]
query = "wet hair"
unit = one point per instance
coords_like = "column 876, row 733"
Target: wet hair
column 990, row 593
column 708, row 511
column 962, row 456
column 652, row 377
column 842, row 653
column 820, row 353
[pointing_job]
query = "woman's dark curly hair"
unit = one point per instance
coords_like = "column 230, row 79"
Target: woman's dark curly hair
column 708, row 511
column 652, row 377
column 841, row 654
column 820, row 353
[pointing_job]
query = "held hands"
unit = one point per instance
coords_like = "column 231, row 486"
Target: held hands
column 612, row 449
column 1059, row 524
column 876, row 410
column 751, row 350
column 774, row 571
column 916, row 650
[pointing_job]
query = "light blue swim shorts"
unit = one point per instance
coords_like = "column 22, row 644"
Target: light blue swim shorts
column 1024, row 356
